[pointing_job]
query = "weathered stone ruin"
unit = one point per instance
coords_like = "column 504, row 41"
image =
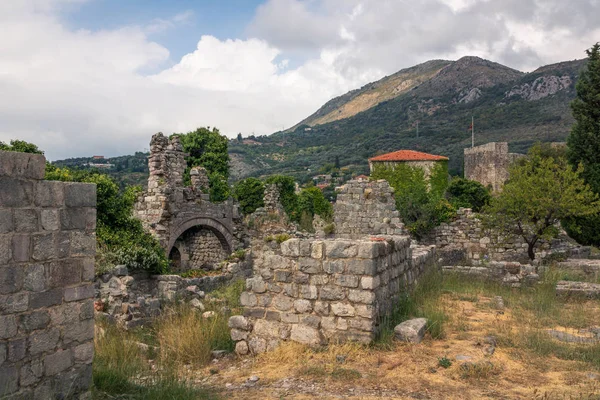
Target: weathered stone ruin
column 488, row 164
column 47, row 248
column 316, row 291
column 195, row 232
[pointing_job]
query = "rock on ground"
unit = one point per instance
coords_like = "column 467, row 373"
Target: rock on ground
column 411, row 331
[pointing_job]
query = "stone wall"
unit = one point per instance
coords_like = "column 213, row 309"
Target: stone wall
column 168, row 208
column 134, row 300
column 47, row 248
column 200, row 248
column 465, row 241
column 316, row 291
column 366, row 208
column 488, row 164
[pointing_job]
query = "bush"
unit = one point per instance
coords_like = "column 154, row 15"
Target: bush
column 584, row 229
column 312, row 201
column 469, row 194
column 287, row 194
column 249, row 193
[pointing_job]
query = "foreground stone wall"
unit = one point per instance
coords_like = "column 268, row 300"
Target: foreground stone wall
column 316, row 291
column 366, row 208
column 465, row 241
column 47, row 248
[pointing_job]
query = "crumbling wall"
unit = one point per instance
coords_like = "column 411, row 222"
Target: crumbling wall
column 47, row 248
column 316, row 291
column 366, row 208
column 465, row 241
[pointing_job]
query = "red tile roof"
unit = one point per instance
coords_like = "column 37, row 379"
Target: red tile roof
column 408, row 155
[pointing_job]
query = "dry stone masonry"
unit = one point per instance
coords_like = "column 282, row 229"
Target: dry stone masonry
column 47, row 248
column 168, row 209
column 488, row 164
column 366, row 208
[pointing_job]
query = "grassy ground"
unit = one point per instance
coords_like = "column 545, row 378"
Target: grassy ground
column 156, row 362
column 453, row 362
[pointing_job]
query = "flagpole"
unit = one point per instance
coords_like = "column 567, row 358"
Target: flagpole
column 472, row 131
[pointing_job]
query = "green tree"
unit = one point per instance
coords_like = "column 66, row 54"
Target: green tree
column 584, row 144
column 208, row 148
column 20, row 146
column 469, row 194
column 249, row 193
column 540, row 193
column 312, row 201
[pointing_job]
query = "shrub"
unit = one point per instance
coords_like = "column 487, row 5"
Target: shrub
column 249, row 193
column 469, row 194
column 312, row 201
column 444, row 362
column 287, row 194
column 329, row 229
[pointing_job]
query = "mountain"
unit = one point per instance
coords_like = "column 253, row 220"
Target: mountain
column 440, row 97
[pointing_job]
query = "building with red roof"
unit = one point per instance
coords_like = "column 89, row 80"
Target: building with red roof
column 408, row 157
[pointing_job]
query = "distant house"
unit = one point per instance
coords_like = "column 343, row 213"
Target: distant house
column 322, row 186
column 98, row 157
column 408, row 157
column 361, row 178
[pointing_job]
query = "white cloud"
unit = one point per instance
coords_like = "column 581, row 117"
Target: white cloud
column 80, row 92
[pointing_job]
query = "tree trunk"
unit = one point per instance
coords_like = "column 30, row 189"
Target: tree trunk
column 530, row 252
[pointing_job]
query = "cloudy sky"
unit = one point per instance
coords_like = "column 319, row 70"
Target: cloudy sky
column 84, row 77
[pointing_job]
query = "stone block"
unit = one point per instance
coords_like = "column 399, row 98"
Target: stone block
column 334, row 266
column 283, row 303
column 302, row 306
column 328, row 323
column 254, row 312
column 332, row 293
column 350, row 281
column 50, row 220
column 5, row 249
column 291, row 248
column 3, row 354
column 319, row 280
column 17, row 349
column 35, row 278
column 15, row 192
column 64, row 273
column 84, row 353
column 34, row 321
column 308, row 292
column 266, row 328
column 248, row 299
column 80, row 331
column 8, row 326
column 273, row 316
column 368, row 250
column 58, row 362
column 411, row 331
column 46, row 299
column 304, row 248
column 78, row 218
column 21, row 248
column 305, row 334
column 317, row 250
column 241, row 348
column 43, row 341
column 79, row 293
column 283, row 276
column 11, row 279
column 88, row 272
column 365, row 311
column 49, row 194
column 300, row 277
column 31, row 372
column 83, row 244
column 342, row 310
column 312, row 320
column 14, row 303
column 25, row 220
column 361, row 296
column 237, row 335
column 80, row 195
column 321, row 307
column 257, row 345
column 6, row 221
column 289, row 318
column 369, row 282
column 340, row 249
column 309, row 265
column 239, row 322
column 9, row 380
column 360, row 324
column 362, row 267
column 44, row 247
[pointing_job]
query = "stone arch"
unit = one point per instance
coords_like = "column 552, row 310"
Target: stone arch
column 220, row 230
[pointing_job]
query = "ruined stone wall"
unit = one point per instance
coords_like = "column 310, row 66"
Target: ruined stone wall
column 203, row 249
column 316, row 291
column 488, row 164
column 366, row 208
column 465, row 240
column 167, row 209
column 47, row 248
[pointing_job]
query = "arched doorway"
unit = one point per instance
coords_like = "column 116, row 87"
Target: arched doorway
column 199, row 247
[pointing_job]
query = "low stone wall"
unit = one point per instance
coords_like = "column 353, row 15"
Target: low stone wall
column 134, row 300
column 316, row 291
column 464, row 241
column 47, row 248
column 509, row 273
column 366, row 208
column 578, row 289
